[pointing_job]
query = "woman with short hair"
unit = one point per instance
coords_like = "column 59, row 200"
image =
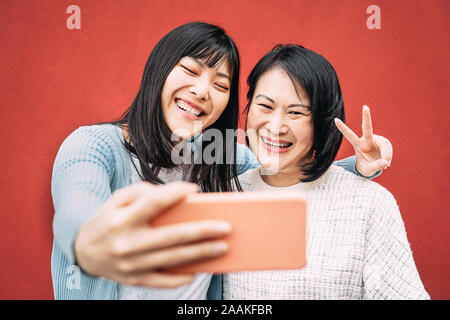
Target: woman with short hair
column 356, row 244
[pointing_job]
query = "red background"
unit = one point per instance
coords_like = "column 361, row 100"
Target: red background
column 54, row 80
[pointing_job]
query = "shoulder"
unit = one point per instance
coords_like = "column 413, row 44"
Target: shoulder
column 350, row 184
column 99, row 143
column 247, row 179
column 364, row 197
column 106, row 134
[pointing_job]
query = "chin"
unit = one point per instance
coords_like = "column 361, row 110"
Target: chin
column 270, row 166
column 183, row 130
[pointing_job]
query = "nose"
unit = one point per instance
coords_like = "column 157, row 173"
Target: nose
column 276, row 124
column 200, row 88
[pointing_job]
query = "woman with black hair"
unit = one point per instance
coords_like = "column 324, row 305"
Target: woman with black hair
column 356, row 244
column 109, row 180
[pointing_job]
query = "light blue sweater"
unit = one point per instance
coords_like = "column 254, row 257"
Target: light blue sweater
column 90, row 165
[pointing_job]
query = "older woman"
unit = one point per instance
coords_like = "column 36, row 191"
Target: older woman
column 356, row 241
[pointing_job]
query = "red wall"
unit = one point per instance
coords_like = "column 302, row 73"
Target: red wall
column 54, row 80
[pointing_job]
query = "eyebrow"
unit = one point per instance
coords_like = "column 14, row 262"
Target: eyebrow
column 220, row 74
column 291, row 105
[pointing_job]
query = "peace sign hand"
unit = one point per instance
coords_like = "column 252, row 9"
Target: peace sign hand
column 373, row 152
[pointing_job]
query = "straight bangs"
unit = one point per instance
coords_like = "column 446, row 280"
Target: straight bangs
column 214, row 48
column 213, row 52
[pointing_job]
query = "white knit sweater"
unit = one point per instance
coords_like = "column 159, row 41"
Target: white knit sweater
column 356, row 246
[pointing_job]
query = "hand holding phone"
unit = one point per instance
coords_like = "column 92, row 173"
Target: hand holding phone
column 268, row 229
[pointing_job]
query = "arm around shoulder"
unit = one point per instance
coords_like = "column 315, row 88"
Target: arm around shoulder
column 245, row 159
column 349, row 164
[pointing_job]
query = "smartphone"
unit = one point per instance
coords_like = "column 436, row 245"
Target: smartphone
column 268, row 229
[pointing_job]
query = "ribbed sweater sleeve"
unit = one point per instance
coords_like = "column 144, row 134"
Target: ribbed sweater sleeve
column 349, row 164
column 83, row 169
column 389, row 268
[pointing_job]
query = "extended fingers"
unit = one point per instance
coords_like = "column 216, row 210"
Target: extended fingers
column 367, row 130
column 171, row 257
column 146, row 238
column 127, row 195
column 146, row 201
column 346, row 132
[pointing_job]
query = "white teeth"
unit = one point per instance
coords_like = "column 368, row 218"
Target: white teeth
column 284, row 145
column 182, row 105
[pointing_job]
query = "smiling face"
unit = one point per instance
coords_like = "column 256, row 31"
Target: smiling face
column 194, row 95
column 279, row 123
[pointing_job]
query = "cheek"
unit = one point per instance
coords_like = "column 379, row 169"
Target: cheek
column 305, row 135
column 253, row 123
column 167, row 89
column 220, row 102
column 252, row 119
column 175, row 80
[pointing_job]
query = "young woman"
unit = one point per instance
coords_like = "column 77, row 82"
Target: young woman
column 110, row 180
column 356, row 244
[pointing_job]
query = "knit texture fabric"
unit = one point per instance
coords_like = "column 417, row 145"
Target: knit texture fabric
column 356, row 245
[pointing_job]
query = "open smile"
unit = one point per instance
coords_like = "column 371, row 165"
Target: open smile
column 276, row 146
column 189, row 110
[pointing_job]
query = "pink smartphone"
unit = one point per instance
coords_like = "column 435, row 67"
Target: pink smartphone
column 268, row 229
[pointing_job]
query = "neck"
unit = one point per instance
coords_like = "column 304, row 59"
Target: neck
column 281, row 179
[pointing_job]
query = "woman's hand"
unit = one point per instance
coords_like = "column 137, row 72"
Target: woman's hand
column 373, row 153
column 119, row 244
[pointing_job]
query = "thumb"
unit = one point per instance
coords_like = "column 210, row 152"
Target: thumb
column 385, row 146
column 373, row 167
column 157, row 199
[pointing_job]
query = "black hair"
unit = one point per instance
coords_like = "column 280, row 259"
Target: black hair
column 149, row 134
column 318, row 79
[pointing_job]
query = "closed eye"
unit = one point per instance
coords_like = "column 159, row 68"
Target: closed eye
column 222, row 87
column 265, row 106
column 188, row 70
